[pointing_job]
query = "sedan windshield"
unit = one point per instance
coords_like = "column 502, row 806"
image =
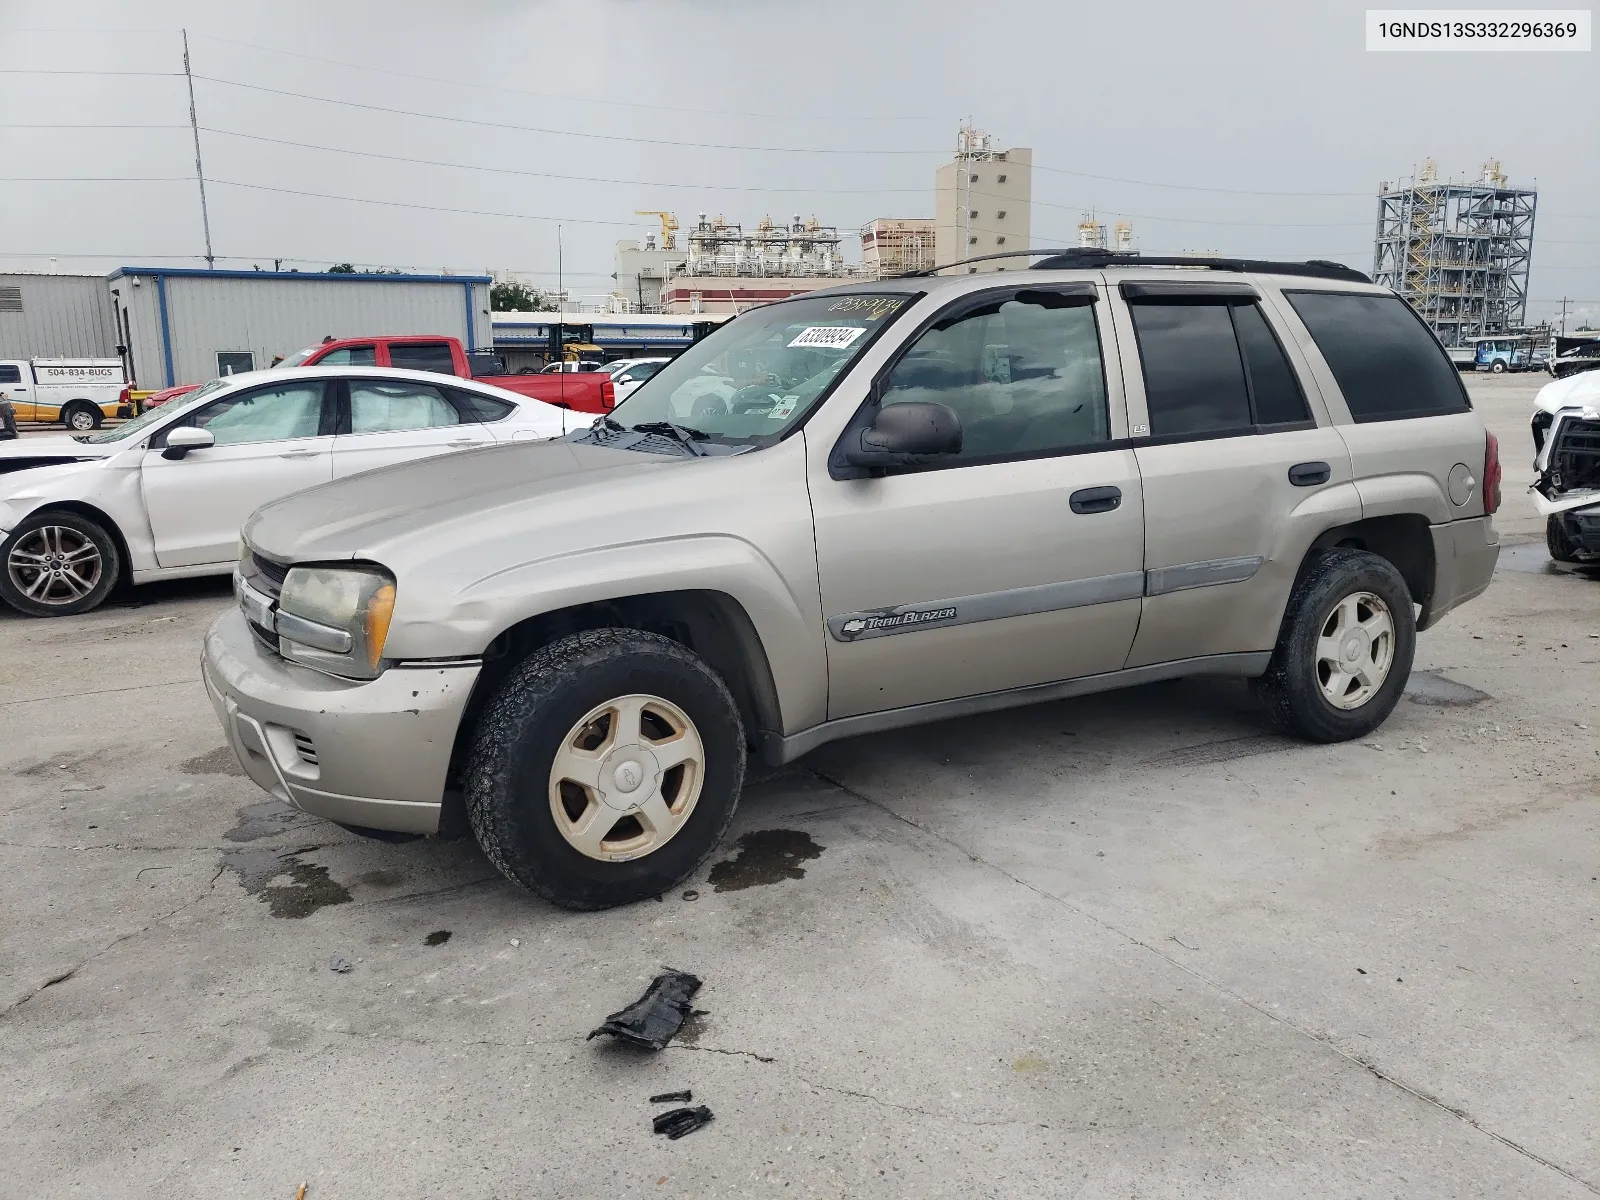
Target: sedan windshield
column 150, row 416
column 757, row 376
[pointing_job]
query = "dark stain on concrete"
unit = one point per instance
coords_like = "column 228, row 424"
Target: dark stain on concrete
column 383, row 878
column 765, row 856
column 262, row 819
column 694, row 1025
column 221, row 761
column 54, row 765
column 1429, row 687
column 437, row 938
column 307, row 889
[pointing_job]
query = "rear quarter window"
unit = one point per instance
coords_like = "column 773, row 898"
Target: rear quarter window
column 1384, row 359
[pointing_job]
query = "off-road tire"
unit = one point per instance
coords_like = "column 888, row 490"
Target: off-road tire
column 1290, row 692
column 105, row 543
column 521, row 728
column 94, row 415
column 1557, row 542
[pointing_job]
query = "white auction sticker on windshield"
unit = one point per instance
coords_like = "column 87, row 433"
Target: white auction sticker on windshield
column 782, row 407
column 828, row 337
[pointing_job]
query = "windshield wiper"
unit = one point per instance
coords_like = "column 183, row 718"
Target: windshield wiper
column 606, row 422
column 678, row 433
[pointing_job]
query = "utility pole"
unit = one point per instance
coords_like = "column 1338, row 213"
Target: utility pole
column 199, row 171
column 1563, row 316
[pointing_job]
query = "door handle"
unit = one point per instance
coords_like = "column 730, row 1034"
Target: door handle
column 298, row 454
column 1095, row 500
column 1310, row 474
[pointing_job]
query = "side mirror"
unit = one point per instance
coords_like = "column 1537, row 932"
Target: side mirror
column 901, row 434
column 186, row 438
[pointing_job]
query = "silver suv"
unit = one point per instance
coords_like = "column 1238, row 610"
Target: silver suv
column 863, row 508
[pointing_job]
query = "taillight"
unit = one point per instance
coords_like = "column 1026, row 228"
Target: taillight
column 608, row 394
column 123, row 397
column 1491, row 474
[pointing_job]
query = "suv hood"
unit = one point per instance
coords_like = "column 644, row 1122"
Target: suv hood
column 368, row 516
column 1575, row 391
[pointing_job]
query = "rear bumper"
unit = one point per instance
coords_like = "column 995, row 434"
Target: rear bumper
column 372, row 754
column 1464, row 556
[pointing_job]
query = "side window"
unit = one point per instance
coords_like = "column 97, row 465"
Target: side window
column 10, row 373
column 1385, row 360
column 235, row 362
column 642, row 372
column 379, row 406
column 272, row 414
column 350, row 356
column 1275, row 395
column 477, row 407
column 1023, row 373
column 422, row 356
column 1193, row 376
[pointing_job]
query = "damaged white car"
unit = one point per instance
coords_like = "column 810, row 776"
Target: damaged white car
column 1566, row 489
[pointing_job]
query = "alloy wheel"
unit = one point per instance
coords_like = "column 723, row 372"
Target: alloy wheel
column 54, row 564
column 626, row 777
column 1355, row 650
column 81, row 419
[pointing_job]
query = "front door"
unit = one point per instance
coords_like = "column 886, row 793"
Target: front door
column 1019, row 560
column 392, row 421
column 1239, row 474
column 270, row 441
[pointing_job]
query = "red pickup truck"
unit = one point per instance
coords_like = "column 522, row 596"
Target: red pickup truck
column 585, row 391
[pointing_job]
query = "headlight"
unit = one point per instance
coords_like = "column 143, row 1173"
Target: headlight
column 336, row 619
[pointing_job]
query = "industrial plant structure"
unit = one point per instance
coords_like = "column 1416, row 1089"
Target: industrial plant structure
column 896, row 245
column 982, row 201
column 1458, row 252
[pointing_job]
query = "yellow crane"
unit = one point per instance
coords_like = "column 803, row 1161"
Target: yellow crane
column 669, row 227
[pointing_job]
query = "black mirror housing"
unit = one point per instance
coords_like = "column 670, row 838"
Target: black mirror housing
column 901, row 435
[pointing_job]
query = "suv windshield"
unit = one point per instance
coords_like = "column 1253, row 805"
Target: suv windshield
column 758, row 375
column 150, row 416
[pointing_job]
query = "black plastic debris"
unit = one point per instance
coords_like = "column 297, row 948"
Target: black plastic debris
column 680, row 1121
column 682, row 1097
column 654, row 1019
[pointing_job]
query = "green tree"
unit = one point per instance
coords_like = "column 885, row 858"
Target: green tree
column 342, row 269
column 512, row 296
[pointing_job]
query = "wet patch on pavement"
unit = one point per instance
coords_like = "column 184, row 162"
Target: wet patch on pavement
column 263, row 819
column 385, row 877
column 1429, row 687
column 221, row 761
column 437, row 938
column 290, row 888
column 765, row 856
column 46, row 767
column 1534, row 558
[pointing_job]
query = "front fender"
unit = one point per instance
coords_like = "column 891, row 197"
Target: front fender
column 785, row 612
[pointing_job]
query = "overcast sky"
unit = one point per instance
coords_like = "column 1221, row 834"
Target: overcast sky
column 840, row 110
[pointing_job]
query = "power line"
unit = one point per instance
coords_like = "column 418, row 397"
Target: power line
column 95, row 179
column 81, row 71
column 16, row 125
column 603, row 137
column 474, row 212
column 714, row 112
column 1185, row 187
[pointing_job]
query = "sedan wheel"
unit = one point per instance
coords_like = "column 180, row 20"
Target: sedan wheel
column 54, row 565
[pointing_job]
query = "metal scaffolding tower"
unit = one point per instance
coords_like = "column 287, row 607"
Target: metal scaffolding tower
column 1458, row 252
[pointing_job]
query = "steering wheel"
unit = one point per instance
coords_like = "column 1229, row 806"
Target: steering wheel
column 757, row 397
column 708, row 405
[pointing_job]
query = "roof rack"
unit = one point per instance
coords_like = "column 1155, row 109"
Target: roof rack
column 1092, row 257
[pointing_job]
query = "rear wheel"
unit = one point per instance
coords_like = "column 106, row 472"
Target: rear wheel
column 81, row 417
column 1344, row 652
column 56, row 564
column 606, row 769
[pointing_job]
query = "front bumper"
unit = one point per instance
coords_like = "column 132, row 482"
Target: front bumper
column 372, row 754
column 1464, row 556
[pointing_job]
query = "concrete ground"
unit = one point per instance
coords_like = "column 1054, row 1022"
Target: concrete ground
column 1124, row 946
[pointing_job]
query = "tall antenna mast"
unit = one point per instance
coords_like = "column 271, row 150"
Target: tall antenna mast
column 199, row 171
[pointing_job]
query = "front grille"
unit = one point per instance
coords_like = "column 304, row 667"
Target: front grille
column 266, row 637
column 305, row 748
column 1575, row 457
column 266, row 576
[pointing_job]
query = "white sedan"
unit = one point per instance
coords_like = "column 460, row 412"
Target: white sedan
column 163, row 496
column 629, row 373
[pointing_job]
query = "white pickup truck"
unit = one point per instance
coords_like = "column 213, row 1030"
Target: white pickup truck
column 78, row 392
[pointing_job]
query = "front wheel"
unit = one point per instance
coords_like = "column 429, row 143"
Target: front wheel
column 1344, row 651
column 1556, row 540
column 81, row 417
column 606, row 769
column 1499, row 368
column 57, row 564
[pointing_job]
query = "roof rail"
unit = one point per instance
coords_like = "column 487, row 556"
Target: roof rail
column 1092, row 256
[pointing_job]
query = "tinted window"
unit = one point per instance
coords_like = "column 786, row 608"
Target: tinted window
column 1023, row 374
column 1275, row 395
column 10, row 374
column 422, row 356
column 290, row 410
column 476, row 407
column 1193, row 378
column 235, row 362
column 1386, row 362
column 345, row 356
column 640, row 373
column 383, row 407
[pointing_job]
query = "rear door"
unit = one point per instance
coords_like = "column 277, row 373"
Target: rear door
column 270, row 441
column 1240, row 465
column 386, row 421
column 17, row 384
